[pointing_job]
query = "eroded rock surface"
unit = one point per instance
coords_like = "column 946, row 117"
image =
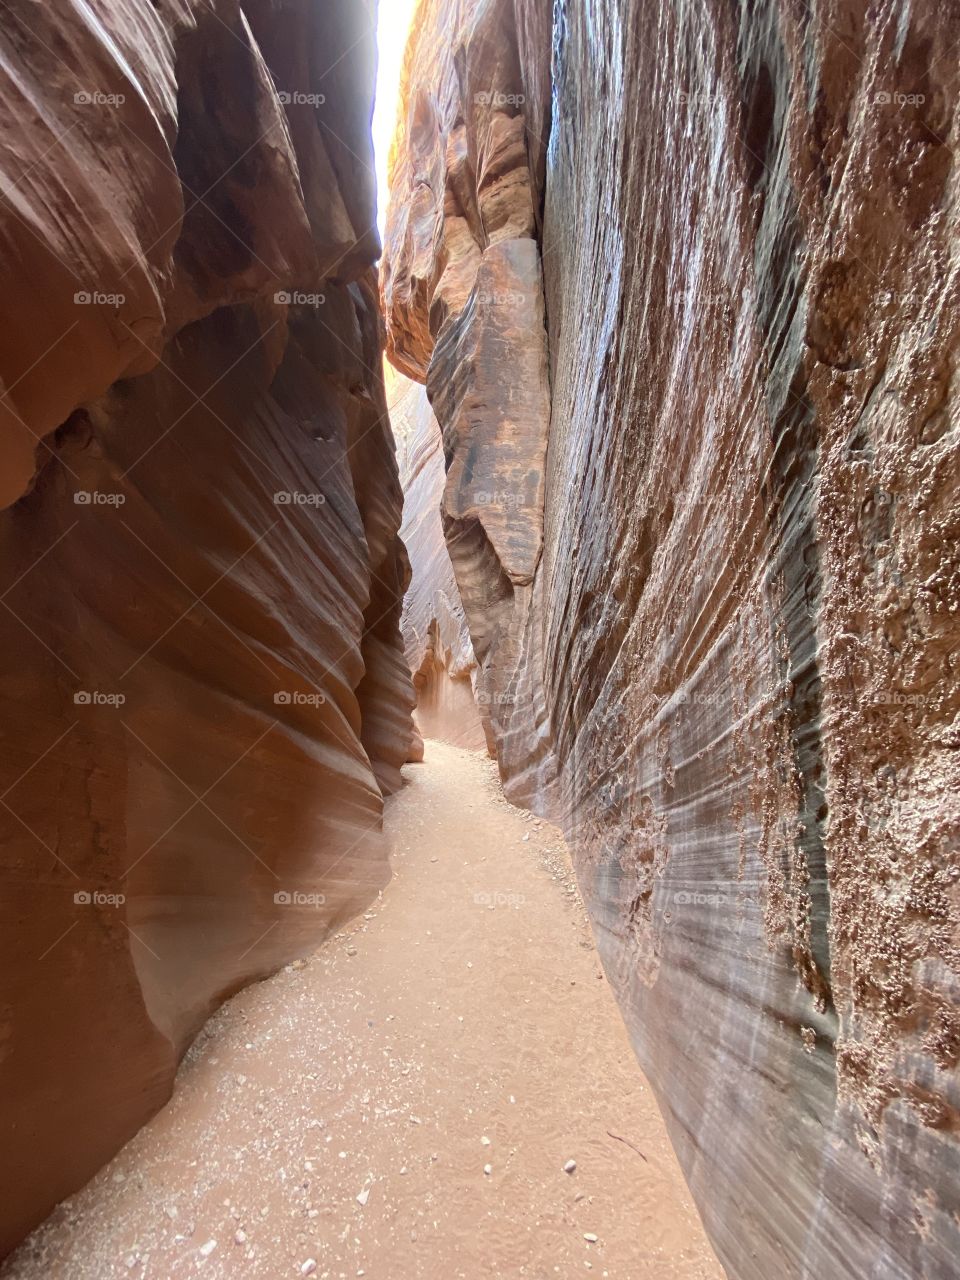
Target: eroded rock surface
column 436, row 637
column 204, row 689
column 733, row 672
column 463, row 292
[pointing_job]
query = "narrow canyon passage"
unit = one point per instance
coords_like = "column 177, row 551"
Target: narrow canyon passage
column 343, row 1113
column 571, row 383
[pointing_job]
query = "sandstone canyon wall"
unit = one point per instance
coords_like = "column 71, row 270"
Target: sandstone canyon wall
column 204, row 692
column 436, row 638
column 717, row 595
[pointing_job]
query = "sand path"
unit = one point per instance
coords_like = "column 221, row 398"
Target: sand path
column 337, row 1119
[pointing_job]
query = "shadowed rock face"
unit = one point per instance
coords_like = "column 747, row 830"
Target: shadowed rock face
column 204, row 693
column 436, row 638
column 734, row 671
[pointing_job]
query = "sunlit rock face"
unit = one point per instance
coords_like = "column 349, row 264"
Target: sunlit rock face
column 463, row 292
column 734, row 668
column 204, row 690
column 460, row 177
column 436, row 637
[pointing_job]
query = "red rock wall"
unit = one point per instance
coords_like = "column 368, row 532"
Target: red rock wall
column 463, row 293
column 436, row 637
column 203, row 686
column 734, row 671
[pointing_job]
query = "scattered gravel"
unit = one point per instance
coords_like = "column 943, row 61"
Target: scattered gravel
column 474, row 979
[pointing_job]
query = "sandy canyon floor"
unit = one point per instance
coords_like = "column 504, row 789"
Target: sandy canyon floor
column 404, row 1102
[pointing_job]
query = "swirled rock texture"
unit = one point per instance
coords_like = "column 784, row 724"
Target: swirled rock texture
column 436, row 637
column 463, row 293
column 204, row 692
column 733, row 674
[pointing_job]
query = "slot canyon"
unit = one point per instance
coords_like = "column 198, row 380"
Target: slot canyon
column 480, row 771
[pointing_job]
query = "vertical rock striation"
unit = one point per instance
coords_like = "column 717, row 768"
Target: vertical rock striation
column 436, row 638
column 463, row 292
column 204, row 692
column 723, row 610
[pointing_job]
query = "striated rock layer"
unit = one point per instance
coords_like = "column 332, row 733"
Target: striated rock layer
column 203, row 686
column 463, row 293
column 722, row 609
column 436, row 638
